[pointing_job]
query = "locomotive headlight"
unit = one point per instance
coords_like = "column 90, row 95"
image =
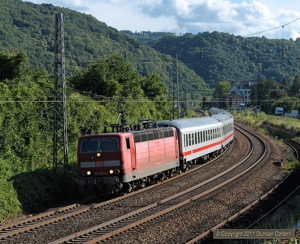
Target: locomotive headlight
column 88, row 172
column 117, row 171
column 98, row 154
column 111, row 171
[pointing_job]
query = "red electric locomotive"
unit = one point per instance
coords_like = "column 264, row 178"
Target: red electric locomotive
column 120, row 162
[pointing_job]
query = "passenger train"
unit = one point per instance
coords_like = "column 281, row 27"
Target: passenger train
column 120, row 162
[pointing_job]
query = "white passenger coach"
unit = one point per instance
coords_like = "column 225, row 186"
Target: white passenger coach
column 202, row 138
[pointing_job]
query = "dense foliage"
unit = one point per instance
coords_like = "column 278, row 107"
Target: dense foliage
column 30, row 28
column 223, row 57
column 28, row 182
column 109, row 73
column 148, row 36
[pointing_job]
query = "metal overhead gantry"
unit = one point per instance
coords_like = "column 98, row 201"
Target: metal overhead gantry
column 60, row 137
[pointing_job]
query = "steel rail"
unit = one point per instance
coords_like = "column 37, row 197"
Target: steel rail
column 53, row 216
column 238, row 214
column 85, row 236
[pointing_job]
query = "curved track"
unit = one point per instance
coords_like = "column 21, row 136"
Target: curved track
column 32, row 223
column 114, row 228
column 139, row 215
column 253, row 214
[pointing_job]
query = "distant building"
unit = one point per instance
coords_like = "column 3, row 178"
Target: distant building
column 243, row 90
column 233, row 101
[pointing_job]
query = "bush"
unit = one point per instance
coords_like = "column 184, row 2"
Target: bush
column 9, row 203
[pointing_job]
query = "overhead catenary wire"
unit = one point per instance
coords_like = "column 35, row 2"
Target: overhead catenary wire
column 281, row 26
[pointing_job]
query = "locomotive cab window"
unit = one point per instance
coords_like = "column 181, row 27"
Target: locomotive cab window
column 105, row 144
column 109, row 144
column 89, row 146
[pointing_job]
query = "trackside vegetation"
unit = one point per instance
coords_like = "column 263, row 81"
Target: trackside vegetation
column 134, row 77
column 280, row 127
column 28, row 183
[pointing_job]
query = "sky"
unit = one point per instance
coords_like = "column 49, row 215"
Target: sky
column 270, row 18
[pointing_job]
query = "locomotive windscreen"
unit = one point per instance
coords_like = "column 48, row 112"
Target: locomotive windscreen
column 103, row 144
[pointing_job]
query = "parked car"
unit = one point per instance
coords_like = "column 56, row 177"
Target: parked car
column 242, row 106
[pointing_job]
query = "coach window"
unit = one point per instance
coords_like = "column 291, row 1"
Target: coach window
column 185, row 140
column 190, row 140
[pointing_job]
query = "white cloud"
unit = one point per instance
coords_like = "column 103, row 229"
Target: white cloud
column 239, row 17
column 129, row 17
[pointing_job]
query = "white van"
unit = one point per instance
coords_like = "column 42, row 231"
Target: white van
column 279, row 111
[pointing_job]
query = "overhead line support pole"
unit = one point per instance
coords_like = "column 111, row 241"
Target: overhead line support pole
column 60, row 137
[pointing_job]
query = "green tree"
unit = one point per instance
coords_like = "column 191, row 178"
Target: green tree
column 295, row 87
column 110, row 77
column 11, row 65
column 268, row 91
column 221, row 92
column 152, row 86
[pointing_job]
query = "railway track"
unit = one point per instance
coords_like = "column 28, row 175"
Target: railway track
column 295, row 145
column 124, row 224
column 255, row 213
column 31, row 223
column 117, row 226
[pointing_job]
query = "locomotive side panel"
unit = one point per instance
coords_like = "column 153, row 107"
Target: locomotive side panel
column 171, row 148
column 154, row 156
column 142, row 154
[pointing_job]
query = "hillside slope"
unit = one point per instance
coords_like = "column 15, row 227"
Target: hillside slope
column 219, row 56
column 30, row 28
